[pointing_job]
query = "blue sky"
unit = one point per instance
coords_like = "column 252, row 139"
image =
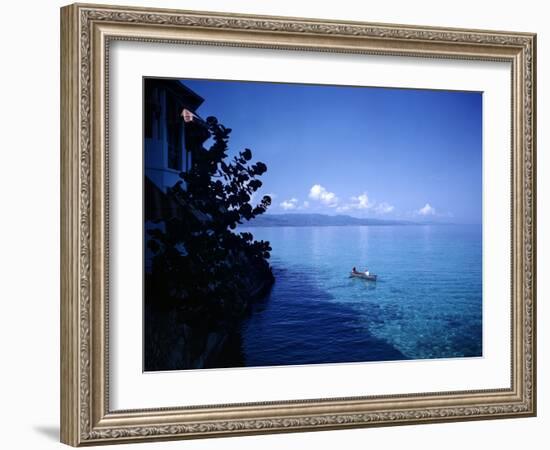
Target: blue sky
column 366, row 152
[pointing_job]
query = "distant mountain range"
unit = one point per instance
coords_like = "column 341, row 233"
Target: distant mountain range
column 317, row 220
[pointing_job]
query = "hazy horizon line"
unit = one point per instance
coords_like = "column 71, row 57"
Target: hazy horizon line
column 432, row 221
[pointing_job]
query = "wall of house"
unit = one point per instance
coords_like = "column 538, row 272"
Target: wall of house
column 155, row 150
column 155, row 159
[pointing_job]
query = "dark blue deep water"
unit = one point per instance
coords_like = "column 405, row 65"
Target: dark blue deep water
column 427, row 302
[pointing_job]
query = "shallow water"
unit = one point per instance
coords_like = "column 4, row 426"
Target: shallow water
column 427, row 302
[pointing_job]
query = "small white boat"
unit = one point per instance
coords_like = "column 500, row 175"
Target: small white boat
column 363, row 275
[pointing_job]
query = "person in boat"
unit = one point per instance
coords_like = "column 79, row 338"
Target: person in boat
column 367, row 273
column 354, row 270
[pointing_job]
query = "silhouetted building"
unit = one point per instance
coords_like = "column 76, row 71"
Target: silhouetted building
column 173, row 132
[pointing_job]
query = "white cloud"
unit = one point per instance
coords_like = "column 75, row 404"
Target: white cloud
column 361, row 201
column 289, row 204
column 426, row 210
column 356, row 203
column 318, row 192
column 383, row 208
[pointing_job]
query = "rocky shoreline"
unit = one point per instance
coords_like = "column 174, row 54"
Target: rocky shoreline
column 173, row 342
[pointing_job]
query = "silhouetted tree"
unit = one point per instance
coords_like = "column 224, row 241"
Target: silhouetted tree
column 202, row 264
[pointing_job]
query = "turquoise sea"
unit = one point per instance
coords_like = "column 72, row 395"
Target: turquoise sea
column 427, row 302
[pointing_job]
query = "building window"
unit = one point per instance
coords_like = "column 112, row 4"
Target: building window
column 151, row 112
column 148, row 119
column 175, row 133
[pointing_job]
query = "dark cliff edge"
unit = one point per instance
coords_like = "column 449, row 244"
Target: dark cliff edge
column 177, row 337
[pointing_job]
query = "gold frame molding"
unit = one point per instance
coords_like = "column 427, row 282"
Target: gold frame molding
column 86, row 31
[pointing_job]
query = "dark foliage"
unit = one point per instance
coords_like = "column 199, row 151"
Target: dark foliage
column 202, row 266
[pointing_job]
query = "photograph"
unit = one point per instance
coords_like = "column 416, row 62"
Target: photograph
column 294, row 224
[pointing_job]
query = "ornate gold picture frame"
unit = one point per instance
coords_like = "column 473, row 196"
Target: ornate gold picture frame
column 87, row 32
